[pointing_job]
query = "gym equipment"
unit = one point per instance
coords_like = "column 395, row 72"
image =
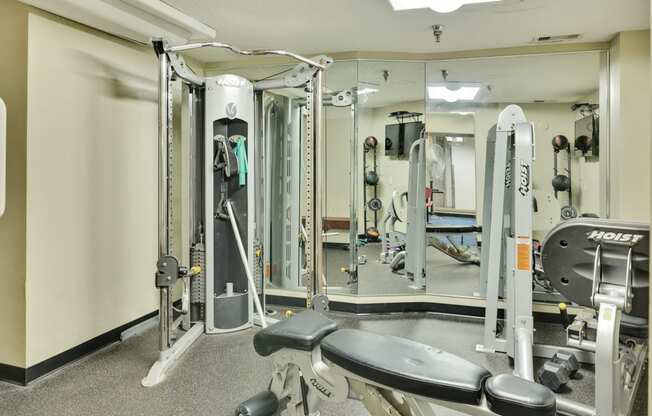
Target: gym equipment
column 568, row 361
column 280, row 184
column 587, row 130
column 568, row 213
column 556, row 372
column 560, row 143
column 415, row 236
column 553, row 375
column 218, row 210
column 584, row 144
column 370, row 142
column 603, row 265
column 393, row 242
column 508, row 197
column 372, row 233
column 562, row 182
column 375, row 204
column 506, row 256
column 316, row 362
column 461, row 253
column 371, row 178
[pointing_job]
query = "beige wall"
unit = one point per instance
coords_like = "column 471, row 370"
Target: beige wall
column 91, row 185
column 630, row 126
column 13, row 90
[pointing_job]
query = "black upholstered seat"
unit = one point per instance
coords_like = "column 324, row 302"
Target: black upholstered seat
column 508, row 395
column 406, row 365
column 301, row 332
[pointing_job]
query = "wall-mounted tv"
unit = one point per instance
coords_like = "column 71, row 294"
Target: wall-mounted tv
column 399, row 138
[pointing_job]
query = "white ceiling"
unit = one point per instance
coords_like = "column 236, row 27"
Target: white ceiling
column 311, row 26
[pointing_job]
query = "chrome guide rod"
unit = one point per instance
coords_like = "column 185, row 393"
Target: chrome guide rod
column 253, row 52
column 245, row 264
column 163, row 191
column 571, row 408
column 318, row 228
column 353, row 197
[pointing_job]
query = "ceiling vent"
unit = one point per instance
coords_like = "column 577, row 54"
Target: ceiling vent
column 557, row 39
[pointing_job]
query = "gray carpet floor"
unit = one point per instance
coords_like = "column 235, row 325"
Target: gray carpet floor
column 444, row 276
column 220, row 371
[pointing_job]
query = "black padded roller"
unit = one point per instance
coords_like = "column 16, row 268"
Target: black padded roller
column 262, row 404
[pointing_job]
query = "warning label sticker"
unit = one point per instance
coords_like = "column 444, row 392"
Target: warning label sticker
column 524, row 254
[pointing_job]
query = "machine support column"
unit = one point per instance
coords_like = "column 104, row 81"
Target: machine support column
column 607, row 398
column 163, row 194
column 318, row 183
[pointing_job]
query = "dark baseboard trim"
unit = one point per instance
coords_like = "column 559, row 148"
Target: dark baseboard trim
column 24, row 376
column 405, row 307
column 12, row 374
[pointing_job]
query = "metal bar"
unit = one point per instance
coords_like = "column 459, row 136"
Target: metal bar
column 523, row 359
column 571, row 408
column 164, row 319
column 245, row 263
column 318, row 228
column 628, row 282
column 608, row 384
column 163, row 156
column 597, row 273
column 252, row 52
column 163, row 190
column 492, row 246
column 309, row 168
column 353, row 198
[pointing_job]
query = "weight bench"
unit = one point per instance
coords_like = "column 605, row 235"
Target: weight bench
column 316, row 362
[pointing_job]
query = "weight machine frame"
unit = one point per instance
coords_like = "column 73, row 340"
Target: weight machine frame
column 169, row 272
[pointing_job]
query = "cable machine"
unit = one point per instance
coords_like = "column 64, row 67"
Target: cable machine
column 221, row 240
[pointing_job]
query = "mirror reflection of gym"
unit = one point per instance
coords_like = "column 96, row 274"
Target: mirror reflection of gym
column 560, row 94
column 390, row 146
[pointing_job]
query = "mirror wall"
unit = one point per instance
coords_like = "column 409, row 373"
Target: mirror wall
column 401, row 163
column 391, row 118
column 560, row 95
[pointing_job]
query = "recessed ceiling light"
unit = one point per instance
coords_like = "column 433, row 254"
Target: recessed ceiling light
column 454, row 139
column 440, row 6
column 463, row 92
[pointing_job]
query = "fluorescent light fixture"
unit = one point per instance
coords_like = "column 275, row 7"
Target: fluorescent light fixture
column 454, row 139
column 138, row 20
column 464, row 92
column 440, row 6
column 367, row 90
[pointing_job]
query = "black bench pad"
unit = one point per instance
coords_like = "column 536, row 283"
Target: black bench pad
column 508, row 395
column 405, row 365
column 301, row 332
